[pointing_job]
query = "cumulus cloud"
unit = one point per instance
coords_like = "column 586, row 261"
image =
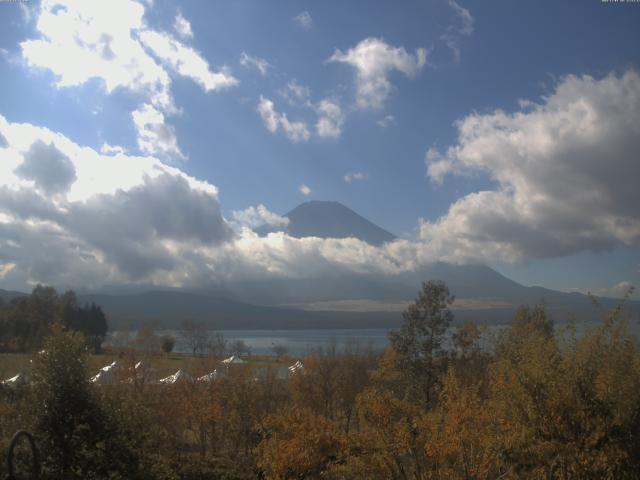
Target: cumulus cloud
column 112, row 218
column 134, row 220
column 154, row 135
column 253, row 217
column 80, row 41
column 112, row 149
column 305, row 190
column 186, row 61
column 373, row 60
column 274, row 121
column 354, row 177
column 330, row 119
column 303, row 20
column 110, row 41
column 566, row 171
column 258, row 63
column 182, row 26
column 48, row 167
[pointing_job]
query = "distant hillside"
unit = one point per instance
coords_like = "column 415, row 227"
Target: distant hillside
column 7, row 295
column 171, row 308
column 331, row 220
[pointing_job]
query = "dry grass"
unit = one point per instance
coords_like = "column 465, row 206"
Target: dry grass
column 14, row 363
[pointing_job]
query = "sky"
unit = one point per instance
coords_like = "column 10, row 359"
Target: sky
column 140, row 141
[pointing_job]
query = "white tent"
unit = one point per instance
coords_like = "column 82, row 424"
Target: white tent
column 297, row 367
column 19, row 379
column 233, row 359
column 178, row 377
column 106, row 374
column 209, row 377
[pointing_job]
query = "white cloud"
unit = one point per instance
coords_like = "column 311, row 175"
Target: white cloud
column 274, row 121
column 466, row 19
column 112, row 149
column 6, row 268
column 110, row 41
column 155, row 137
column 80, row 41
column 305, row 190
column 387, row 121
column 258, row 63
column 354, row 177
column 186, row 61
column 303, row 20
column 126, row 220
column 253, row 217
column 373, row 60
column 95, row 219
column 465, row 27
column 295, row 93
column 566, row 171
column 182, row 26
column 619, row 290
column 330, row 119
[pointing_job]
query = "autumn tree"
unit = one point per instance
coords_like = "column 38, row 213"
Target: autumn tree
column 459, row 435
column 570, row 409
column 77, row 437
column 419, row 339
column 388, row 443
column 298, row 443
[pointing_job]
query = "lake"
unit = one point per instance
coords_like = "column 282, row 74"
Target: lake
column 301, row 342
column 297, row 342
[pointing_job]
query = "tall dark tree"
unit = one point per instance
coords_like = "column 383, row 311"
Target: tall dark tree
column 419, row 340
column 88, row 319
column 77, row 438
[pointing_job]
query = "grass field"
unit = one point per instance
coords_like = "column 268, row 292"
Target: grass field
column 166, row 364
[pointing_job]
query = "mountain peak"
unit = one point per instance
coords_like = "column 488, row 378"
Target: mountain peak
column 330, row 219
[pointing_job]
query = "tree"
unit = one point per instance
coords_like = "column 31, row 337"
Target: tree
column 279, row 350
column 76, row 436
column 146, row 338
column 239, row 347
column 196, row 336
column 419, row 340
column 465, row 339
column 167, row 342
column 299, row 444
column 217, row 345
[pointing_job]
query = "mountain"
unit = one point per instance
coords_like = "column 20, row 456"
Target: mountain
column 7, row 295
column 342, row 300
column 331, row 220
column 171, row 308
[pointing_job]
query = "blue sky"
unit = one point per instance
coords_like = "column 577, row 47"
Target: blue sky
column 258, row 136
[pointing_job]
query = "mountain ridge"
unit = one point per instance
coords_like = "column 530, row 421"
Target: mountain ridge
column 296, row 303
column 330, row 219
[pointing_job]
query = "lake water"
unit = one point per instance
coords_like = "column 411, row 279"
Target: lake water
column 298, row 342
column 301, row 342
